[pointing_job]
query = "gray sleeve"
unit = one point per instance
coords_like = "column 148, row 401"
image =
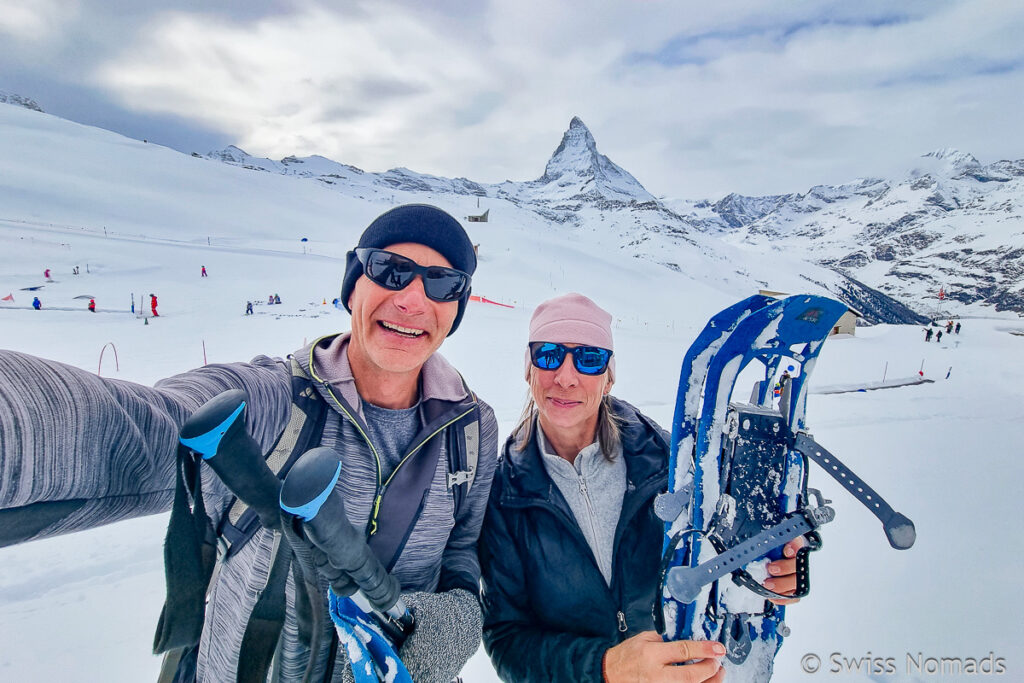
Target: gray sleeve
column 460, row 566
column 79, row 451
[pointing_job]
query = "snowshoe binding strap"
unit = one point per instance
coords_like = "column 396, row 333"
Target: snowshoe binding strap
column 684, row 583
column 742, row 577
column 898, row 528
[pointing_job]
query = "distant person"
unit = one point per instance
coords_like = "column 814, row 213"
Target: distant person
column 277, row 299
column 74, row 271
column 949, row 327
column 46, row 274
column 92, row 305
column 152, row 305
column 248, row 308
column 203, row 272
column 938, row 336
column 957, row 328
column 36, row 303
column 928, row 334
column 270, row 299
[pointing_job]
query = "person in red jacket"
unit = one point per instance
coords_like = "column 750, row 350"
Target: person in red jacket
column 152, row 305
column 92, row 305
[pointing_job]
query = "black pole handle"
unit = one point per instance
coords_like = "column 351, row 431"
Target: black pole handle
column 217, row 432
column 309, row 494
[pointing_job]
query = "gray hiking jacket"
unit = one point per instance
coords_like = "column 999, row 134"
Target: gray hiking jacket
column 78, row 451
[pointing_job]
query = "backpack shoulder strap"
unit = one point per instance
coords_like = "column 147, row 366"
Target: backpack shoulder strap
column 303, row 431
column 463, row 446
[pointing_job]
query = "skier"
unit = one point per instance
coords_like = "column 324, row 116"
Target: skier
column 379, row 407
column 152, row 305
column 938, row 336
column 248, row 308
column 36, row 303
column 957, row 328
column 203, row 274
column 92, row 305
column 75, row 270
column 270, row 299
column 46, row 274
column 277, row 299
column 928, row 334
column 571, row 549
column 949, row 327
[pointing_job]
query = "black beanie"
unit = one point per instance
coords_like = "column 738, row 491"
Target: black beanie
column 419, row 224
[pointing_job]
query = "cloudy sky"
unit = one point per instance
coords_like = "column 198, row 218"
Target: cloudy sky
column 694, row 99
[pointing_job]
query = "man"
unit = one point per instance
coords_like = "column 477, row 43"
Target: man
column 96, row 451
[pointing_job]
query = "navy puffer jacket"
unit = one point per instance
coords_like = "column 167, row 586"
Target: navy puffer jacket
column 548, row 613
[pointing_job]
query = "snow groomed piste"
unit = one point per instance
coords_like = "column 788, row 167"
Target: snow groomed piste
column 738, row 480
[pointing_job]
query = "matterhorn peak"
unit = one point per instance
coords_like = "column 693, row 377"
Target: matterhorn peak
column 578, row 150
column 578, row 170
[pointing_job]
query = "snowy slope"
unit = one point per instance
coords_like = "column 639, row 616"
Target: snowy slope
column 949, row 222
column 83, row 607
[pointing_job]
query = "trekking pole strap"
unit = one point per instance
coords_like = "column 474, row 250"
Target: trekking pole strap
column 898, row 528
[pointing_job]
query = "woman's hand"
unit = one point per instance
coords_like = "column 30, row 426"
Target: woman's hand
column 646, row 657
column 783, row 572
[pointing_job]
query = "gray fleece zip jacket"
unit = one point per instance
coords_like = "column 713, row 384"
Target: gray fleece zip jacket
column 79, row 451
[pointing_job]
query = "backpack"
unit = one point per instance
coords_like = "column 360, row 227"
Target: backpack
column 193, row 549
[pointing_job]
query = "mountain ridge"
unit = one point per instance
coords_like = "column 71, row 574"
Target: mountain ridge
column 901, row 239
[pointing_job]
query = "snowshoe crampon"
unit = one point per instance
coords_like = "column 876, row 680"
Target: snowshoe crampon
column 738, row 479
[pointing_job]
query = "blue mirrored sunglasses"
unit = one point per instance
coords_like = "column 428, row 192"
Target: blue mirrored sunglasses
column 394, row 271
column 588, row 360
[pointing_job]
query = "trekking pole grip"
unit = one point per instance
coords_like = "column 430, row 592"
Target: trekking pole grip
column 309, row 494
column 218, row 433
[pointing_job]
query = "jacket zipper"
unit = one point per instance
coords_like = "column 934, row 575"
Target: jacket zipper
column 384, row 486
column 381, row 486
column 593, row 525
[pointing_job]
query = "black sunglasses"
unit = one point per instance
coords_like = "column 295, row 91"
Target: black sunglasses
column 394, row 271
column 588, row 360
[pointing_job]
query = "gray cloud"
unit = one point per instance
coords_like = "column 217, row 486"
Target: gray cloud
column 755, row 97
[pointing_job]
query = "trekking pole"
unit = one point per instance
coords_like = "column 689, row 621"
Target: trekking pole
column 309, row 494
column 217, row 432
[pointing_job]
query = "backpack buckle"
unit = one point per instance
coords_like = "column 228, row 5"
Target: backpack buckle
column 461, row 477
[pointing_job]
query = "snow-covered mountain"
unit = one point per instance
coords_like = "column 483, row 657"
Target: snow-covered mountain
column 583, row 191
column 883, row 246
column 19, row 101
column 949, row 223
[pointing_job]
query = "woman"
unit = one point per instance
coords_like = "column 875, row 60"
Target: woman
column 570, row 549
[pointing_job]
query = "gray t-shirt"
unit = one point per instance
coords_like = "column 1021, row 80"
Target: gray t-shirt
column 392, row 432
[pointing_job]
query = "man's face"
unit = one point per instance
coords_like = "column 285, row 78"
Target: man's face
column 396, row 331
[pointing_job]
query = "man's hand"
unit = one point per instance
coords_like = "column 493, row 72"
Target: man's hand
column 646, row 657
column 783, row 572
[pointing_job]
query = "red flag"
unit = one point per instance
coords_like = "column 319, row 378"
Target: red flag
column 942, row 293
column 9, row 297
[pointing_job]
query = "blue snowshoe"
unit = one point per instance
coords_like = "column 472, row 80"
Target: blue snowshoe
column 738, row 480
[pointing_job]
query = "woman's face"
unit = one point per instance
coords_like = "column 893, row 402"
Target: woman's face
column 568, row 401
